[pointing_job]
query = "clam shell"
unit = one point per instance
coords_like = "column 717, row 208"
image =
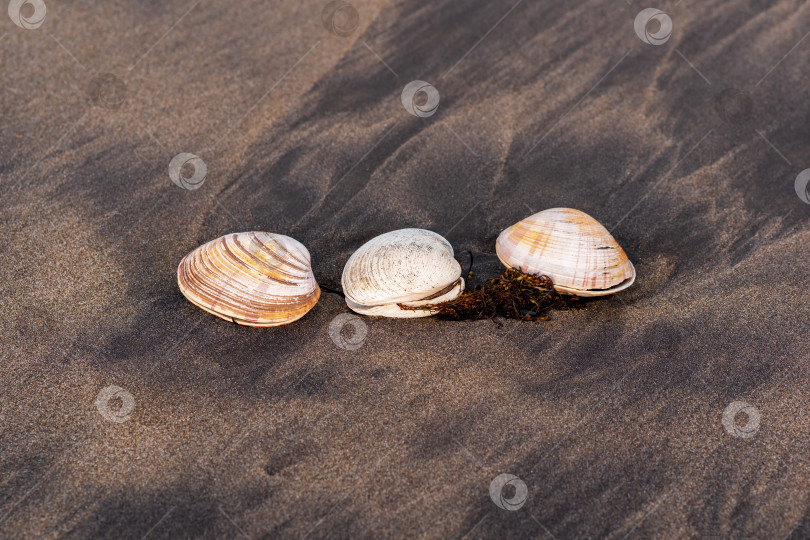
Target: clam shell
column 252, row 278
column 414, row 267
column 570, row 247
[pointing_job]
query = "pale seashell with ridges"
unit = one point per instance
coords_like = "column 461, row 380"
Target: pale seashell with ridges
column 572, row 248
column 252, row 278
column 413, row 267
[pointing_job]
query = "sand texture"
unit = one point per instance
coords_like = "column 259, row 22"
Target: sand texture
column 611, row 415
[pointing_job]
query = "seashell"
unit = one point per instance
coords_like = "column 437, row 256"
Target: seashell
column 414, row 267
column 251, row 278
column 569, row 246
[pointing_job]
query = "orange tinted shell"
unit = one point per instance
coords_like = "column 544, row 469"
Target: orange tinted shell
column 252, row 278
column 569, row 246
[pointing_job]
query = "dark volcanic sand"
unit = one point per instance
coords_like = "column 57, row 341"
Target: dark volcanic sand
column 611, row 415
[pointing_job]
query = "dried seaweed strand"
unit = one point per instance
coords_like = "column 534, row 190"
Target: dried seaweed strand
column 512, row 295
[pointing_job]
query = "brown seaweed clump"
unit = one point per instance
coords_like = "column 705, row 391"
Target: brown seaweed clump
column 512, row 295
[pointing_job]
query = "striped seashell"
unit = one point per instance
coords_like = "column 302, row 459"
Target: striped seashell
column 413, row 267
column 572, row 248
column 252, row 278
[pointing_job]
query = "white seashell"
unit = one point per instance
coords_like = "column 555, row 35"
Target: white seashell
column 569, row 246
column 414, row 267
column 252, row 278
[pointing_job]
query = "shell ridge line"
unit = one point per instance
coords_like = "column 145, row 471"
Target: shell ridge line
column 297, row 251
column 197, row 284
column 228, row 266
column 221, row 296
column 260, row 271
column 266, row 269
column 242, row 263
column 282, row 253
column 266, row 294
